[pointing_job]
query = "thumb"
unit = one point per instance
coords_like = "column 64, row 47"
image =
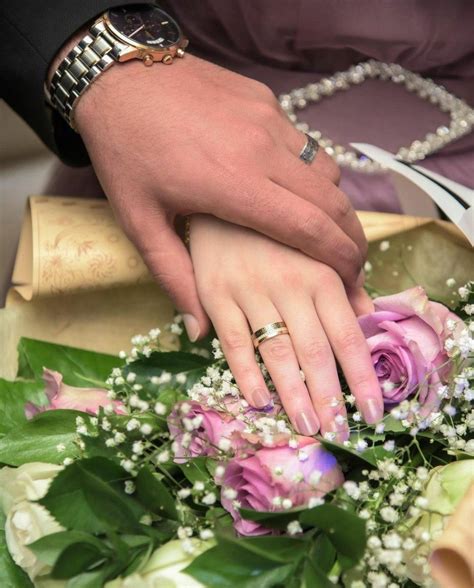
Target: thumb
column 170, row 264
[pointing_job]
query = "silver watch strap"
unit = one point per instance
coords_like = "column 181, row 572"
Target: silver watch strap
column 95, row 53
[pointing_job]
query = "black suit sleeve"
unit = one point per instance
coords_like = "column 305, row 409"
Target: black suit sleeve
column 32, row 32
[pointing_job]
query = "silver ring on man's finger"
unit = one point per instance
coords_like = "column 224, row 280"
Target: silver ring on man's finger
column 309, row 151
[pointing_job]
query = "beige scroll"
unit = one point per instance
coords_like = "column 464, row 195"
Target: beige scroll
column 452, row 559
column 73, row 244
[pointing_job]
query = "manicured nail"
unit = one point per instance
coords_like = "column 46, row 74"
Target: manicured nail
column 372, row 411
column 306, row 424
column 192, row 327
column 260, row 398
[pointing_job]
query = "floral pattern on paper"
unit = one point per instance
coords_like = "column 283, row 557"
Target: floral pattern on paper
column 79, row 246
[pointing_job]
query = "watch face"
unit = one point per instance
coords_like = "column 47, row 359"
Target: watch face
column 145, row 24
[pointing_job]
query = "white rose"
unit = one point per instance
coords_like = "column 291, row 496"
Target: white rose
column 164, row 568
column 444, row 490
column 27, row 521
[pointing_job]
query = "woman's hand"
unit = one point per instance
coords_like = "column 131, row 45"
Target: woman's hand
column 194, row 137
column 245, row 281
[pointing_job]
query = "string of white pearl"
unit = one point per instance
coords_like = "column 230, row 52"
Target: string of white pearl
column 462, row 116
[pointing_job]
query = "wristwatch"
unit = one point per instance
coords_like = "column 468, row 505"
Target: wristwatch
column 135, row 31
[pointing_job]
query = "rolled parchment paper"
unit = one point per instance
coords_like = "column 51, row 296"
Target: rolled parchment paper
column 71, row 245
column 452, row 558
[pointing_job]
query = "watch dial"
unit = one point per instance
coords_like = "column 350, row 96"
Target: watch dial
column 145, row 24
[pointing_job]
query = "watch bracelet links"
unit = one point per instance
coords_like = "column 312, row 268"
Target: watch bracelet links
column 94, row 54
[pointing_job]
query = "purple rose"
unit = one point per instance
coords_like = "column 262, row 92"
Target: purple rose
column 197, row 430
column 406, row 336
column 276, row 479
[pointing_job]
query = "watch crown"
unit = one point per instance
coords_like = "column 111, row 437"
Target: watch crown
column 147, row 59
column 180, row 52
column 167, row 59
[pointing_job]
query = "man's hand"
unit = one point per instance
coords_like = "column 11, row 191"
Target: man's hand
column 194, row 137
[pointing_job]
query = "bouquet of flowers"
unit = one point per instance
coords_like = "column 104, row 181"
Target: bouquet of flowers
column 149, row 469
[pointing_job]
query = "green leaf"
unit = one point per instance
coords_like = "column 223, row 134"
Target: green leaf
column 82, row 497
column 345, row 530
column 11, row 575
column 154, row 495
column 228, row 565
column 392, row 425
column 271, row 520
column 314, row 576
column 370, row 456
column 13, row 396
column 195, row 469
column 323, row 552
column 37, row 439
column 74, row 364
column 95, row 579
column 49, row 547
column 277, row 548
column 76, row 559
column 139, row 556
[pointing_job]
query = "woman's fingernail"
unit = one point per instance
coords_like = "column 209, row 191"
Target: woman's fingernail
column 306, row 424
column 372, row 411
column 260, row 398
column 192, row 327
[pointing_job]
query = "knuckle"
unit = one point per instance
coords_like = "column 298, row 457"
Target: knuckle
column 351, row 254
column 234, row 340
column 329, row 168
column 326, row 400
column 309, row 226
column 277, row 349
column 342, row 204
column 349, row 342
column 264, row 91
column 289, row 279
column 266, row 111
column 316, row 352
column 327, row 277
column 260, row 138
column 208, row 295
column 359, row 382
column 211, row 288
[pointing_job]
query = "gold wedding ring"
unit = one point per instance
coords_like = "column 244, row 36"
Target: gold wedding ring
column 268, row 332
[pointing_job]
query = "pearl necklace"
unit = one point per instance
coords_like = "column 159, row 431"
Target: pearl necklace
column 462, row 116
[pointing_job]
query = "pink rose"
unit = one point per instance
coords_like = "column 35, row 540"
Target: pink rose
column 197, row 430
column 200, row 430
column 61, row 395
column 406, row 336
column 270, row 476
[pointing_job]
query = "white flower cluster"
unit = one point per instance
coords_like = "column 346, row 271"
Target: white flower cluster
column 217, row 390
column 386, row 496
